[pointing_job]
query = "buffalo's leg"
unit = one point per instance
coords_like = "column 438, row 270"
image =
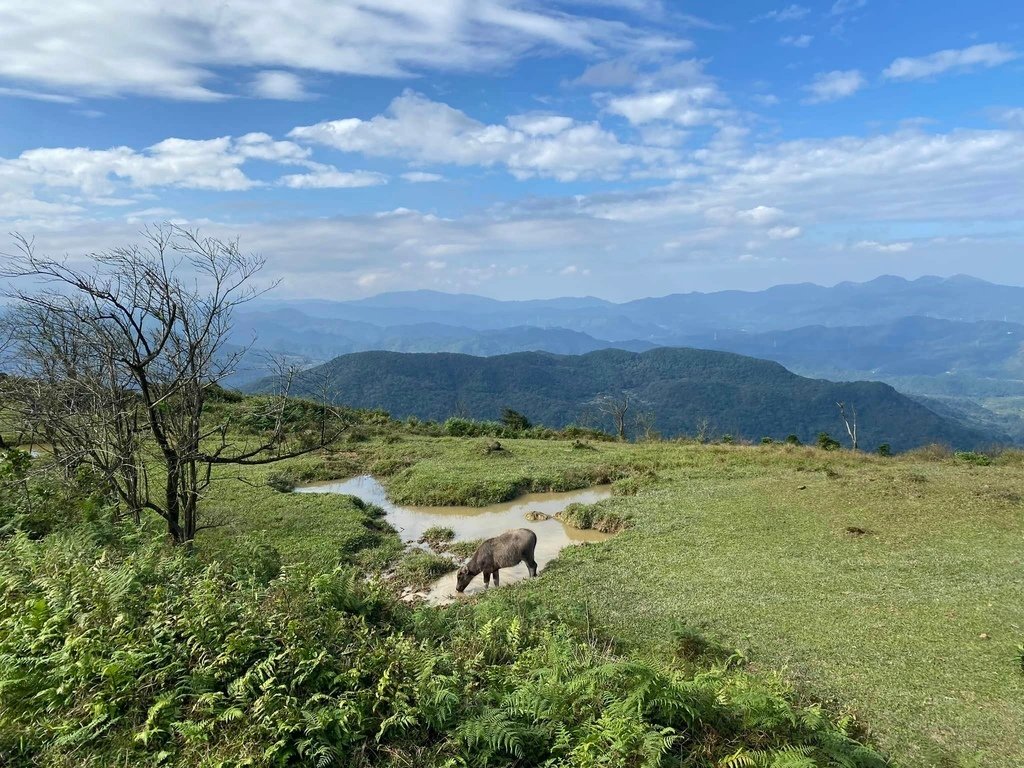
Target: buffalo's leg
column 532, row 565
column 487, row 580
column 495, row 577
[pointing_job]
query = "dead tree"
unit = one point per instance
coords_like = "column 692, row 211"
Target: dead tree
column 850, row 422
column 616, row 407
column 118, row 359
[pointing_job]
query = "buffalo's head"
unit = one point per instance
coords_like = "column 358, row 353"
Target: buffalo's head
column 463, row 577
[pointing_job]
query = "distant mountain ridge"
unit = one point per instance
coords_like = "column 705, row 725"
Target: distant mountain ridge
column 682, row 388
column 881, row 300
column 957, row 338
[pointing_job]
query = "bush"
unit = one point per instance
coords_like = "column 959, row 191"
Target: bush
column 827, row 443
column 978, row 459
column 793, row 440
column 283, row 480
column 40, row 501
column 767, row 441
column 146, row 657
column 884, row 450
column 514, row 420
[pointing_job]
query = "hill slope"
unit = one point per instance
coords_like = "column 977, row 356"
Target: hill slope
column 682, row 388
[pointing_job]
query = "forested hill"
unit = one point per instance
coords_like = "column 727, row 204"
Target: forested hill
column 681, row 388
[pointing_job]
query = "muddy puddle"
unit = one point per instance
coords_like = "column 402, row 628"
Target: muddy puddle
column 470, row 523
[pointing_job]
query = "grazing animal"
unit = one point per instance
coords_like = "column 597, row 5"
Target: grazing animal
column 504, row 551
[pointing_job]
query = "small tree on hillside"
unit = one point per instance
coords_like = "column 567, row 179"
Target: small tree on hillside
column 616, row 407
column 117, row 360
column 514, row 420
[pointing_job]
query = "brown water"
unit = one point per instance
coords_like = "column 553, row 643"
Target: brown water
column 477, row 523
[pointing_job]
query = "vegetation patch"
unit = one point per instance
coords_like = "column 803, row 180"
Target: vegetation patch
column 419, row 568
column 598, row 517
column 150, row 658
column 437, row 536
column 972, row 457
column 463, row 550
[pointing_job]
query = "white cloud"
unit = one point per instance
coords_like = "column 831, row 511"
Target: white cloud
column 874, row 245
column 688, row 107
column 175, row 49
column 276, row 84
column 540, row 125
column 572, row 269
column 329, row 177
column 419, row 177
column 842, row 7
column 760, row 215
column 789, row 13
column 784, row 233
column 211, row 164
column 796, row 41
column 835, row 85
column 22, row 93
column 1011, row 116
column 418, row 129
column 975, row 57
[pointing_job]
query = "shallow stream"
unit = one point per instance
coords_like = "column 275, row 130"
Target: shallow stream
column 470, row 523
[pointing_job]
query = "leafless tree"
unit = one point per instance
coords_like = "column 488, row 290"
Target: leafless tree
column 850, row 422
column 703, row 429
column 615, row 406
column 645, row 422
column 118, row 359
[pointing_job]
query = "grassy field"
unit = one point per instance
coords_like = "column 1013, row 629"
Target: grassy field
column 891, row 586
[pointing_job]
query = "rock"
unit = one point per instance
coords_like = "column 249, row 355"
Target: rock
column 801, row 488
column 535, row 516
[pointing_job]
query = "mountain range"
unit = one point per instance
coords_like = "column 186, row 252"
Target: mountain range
column 954, row 343
column 679, row 391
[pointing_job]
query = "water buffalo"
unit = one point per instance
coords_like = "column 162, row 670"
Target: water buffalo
column 504, row 551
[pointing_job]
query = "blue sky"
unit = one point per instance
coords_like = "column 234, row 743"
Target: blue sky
column 518, row 149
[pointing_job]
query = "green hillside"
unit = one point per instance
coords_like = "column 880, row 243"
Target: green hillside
column 683, row 390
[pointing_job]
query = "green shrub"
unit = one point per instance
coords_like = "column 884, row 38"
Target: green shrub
column 827, row 443
column 970, row 457
column 793, row 440
column 1020, row 657
column 767, row 441
column 283, row 480
column 884, row 450
column 514, row 420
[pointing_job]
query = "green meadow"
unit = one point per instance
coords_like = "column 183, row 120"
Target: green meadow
column 889, row 588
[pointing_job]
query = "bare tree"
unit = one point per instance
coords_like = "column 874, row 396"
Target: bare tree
column 703, row 432
column 850, row 422
column 615, row 406
column 645, row 422
column 119, row 357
